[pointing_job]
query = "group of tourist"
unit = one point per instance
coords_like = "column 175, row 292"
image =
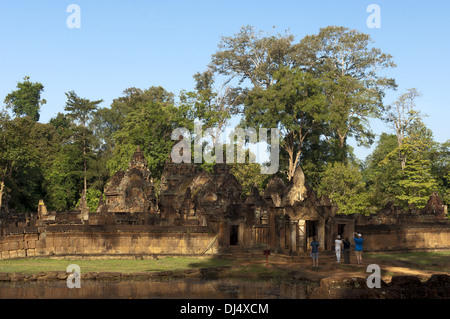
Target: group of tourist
column 339, row 243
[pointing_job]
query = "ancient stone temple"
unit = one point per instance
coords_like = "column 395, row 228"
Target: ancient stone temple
column 132, row 190
column 197, row 212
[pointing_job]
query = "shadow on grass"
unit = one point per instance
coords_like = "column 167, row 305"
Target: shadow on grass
column 416, row 260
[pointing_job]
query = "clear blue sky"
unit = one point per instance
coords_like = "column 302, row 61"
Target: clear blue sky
column 134, row 43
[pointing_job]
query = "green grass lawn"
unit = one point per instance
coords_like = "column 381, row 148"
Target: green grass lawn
column 35, row 265
column 418, row 260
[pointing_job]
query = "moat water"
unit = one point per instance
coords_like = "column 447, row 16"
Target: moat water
column 152, row 289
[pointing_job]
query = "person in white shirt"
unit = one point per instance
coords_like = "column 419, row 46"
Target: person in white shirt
column 337, row 245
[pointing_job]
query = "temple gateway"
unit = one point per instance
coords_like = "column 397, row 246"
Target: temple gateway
column 196, row 212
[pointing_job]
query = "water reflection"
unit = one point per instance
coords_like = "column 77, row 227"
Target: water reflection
column 171, row 289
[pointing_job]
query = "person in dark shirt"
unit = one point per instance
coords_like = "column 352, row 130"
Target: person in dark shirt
column 346, row 251
column 315, row 252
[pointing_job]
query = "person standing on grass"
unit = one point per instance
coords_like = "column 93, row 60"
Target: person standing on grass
column 346, row 243
column 315, row 252
column 358, row 247
column 337, row 247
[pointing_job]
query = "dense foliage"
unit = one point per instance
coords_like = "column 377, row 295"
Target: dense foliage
column 318, row 92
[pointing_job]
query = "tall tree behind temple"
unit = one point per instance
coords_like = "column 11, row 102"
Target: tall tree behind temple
column 149, row 118
column 28, row 150
column 344, row 63
column 80, row 110
column 418, row 182
column 63, row 178
column 440, row 169
column 382, row 176
column 15, row 150
column 354, row 89
column 26, row 100
column 401, row 116
column 108, row 120
column 212, row 103
column 294, row 104
column 255, row 58
column 343, row 183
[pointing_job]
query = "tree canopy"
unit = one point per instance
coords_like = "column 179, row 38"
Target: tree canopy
column 26, row 100
column 318, row 91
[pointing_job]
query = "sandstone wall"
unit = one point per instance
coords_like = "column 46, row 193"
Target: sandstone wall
column 405, row 238
column 107, row 240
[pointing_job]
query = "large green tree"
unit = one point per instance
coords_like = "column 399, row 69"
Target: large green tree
column 108, row 120
column 382, row 176
column 354, row 87
column 27, row 151
column 253, row 56
column 149, row 123
column 401, row 115
column 63, row 178
column 278, row 96
column 416, row 181
column 80, row 110
column 440, row 168
column 212, row 102
column 26, row 100
column 294, row 103
column 16, row 150
column 344, row 185
column 330, row 80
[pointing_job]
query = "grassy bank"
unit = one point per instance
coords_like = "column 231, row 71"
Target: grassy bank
column 433, row 261
column 36, row 265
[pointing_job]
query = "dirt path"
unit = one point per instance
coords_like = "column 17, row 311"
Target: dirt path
column 328, row 267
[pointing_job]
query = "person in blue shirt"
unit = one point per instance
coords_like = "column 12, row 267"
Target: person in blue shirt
column 358, row 247
column 315, row 252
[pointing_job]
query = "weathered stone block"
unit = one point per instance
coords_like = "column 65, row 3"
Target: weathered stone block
column 41, row 244
column 31, row 252
column 13, row 253
column 65, row 241
column 31, row 244
column 29, row 237
column 57, row 242
column 13, row 245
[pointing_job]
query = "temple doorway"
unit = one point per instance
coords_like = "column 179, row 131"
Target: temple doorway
column 234, row 235
column 341, row 230
column 311, row 232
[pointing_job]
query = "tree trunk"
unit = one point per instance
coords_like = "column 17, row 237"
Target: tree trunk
column 2, row 187
column 402, row 157
column 292, row 162
column 84, row 159
column 290, row 173
column 342, row 140
column 290, row 149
